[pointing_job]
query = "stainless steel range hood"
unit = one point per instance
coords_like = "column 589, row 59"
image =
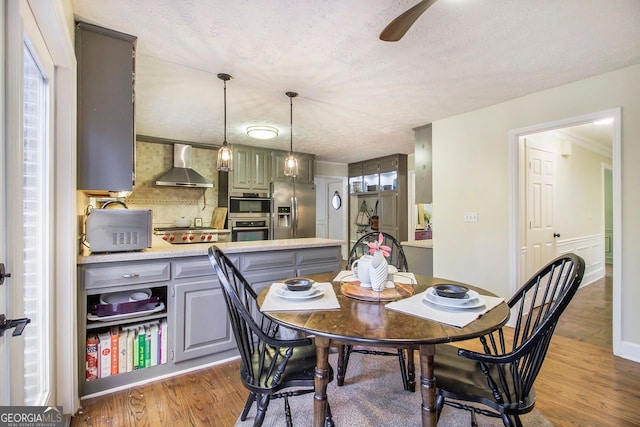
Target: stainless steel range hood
column 182, row 175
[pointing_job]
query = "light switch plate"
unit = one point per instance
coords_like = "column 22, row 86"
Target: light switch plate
column 471, row 217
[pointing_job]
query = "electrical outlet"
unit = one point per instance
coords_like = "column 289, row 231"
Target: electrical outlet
column 471, row 217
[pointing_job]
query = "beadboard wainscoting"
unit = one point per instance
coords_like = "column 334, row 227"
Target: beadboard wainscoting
column 590, row 248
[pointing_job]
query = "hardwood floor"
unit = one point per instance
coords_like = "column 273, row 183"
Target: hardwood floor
column 581, row 382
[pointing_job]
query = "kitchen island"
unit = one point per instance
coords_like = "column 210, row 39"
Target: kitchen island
column 191, row 307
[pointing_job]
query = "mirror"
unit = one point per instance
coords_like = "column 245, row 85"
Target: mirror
column 336, row 201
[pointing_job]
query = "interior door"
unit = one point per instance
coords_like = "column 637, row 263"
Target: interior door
column 26, row 207
column 540, row 208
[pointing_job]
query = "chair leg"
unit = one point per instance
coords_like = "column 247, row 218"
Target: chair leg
column 344, row 352
column 403, row 369
column 341, row 365
column 263, row 403
column 328, row 421
column 411, row 369
column 247, row 406
column 287, row 411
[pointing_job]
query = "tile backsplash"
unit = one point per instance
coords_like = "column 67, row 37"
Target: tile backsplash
column 171, row 203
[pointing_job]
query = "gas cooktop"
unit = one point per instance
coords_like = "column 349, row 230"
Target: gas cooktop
column 177, row 235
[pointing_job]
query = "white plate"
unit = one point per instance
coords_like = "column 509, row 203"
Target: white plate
column 283, row 292
column 94, row 317
column 470, row 296
column 310, row 291
column 125, row 296
column 474, row 300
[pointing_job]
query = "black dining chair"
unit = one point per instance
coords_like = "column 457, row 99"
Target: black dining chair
column 398, row 259
column 271, row 366
column 502, row 377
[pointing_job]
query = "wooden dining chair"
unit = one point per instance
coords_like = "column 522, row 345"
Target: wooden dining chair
column 271, row 366
column 502, row 377
column 398, row 259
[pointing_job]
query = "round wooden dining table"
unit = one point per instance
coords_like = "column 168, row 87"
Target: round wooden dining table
column 361, row 322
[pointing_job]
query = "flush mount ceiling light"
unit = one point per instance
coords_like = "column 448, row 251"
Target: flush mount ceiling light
column 262, row 132
column 225, row 156
column 291, row 163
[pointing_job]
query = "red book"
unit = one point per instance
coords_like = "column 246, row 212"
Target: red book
column 114, row 350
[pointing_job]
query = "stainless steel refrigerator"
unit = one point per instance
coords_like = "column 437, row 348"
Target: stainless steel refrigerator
column 293, row 210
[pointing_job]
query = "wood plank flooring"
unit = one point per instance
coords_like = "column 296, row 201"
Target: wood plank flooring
column 581, row 382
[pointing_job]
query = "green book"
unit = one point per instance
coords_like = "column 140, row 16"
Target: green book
column 147, row 347
column 142, row 340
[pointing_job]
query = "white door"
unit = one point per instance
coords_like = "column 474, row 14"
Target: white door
column 26, row 210
column 540, row 208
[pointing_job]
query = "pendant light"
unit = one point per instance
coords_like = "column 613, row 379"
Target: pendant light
column 225, row 156
column 291, row 163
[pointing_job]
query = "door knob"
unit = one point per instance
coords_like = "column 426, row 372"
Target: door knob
column 3, row 274
column 18, row 324
column 556, row 234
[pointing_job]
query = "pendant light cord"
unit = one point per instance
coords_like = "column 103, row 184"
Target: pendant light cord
column 225, row 112
column 291, row 124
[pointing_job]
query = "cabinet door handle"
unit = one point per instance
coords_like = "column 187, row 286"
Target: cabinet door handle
column 130, row 275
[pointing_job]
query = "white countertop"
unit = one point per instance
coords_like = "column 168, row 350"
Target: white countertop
column 162, row 249
column 427, row 243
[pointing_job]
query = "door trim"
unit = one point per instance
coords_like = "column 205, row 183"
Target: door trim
column 515, row 215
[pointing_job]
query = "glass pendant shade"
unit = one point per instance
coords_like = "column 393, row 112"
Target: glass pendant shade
column 291, row 163
column 225, row 158
column 225, row 155
column 291, row 166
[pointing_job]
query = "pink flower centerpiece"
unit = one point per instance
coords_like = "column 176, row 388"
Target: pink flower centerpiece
column 378, row 269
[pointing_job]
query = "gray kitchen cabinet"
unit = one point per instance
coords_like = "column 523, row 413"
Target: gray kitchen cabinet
column 251, row 170
column 318, row 260
column 201, row 324
column 384, row 181
column 423, row 187
column 198, row 328
column 97, row 280
column 388, row 212
column 105, row 116
column 305, row 167
column 419, row 259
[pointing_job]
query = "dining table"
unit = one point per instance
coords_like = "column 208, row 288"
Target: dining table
column 370, row 322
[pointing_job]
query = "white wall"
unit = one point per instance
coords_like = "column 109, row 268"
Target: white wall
column 471, row 168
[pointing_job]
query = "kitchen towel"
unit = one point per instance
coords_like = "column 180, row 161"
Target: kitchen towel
column 274, row 302
column 417, row 306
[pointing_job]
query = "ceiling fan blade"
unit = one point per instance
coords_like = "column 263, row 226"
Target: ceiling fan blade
column 399, row 26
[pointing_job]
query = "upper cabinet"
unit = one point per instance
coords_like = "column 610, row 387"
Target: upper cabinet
column 251, row 170
column 305, row 167
column 423, row 187
column 106, row 133
column 381, row 185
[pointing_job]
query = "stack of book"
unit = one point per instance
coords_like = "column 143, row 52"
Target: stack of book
column 124, row 349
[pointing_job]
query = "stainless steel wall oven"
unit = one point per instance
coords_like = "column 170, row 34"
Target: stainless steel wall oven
column 249, row 229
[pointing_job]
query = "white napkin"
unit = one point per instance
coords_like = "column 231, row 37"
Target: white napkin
column 454, row 317
column 400, row 277
column 274, row 302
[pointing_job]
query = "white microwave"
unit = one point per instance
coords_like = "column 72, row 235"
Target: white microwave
column 119, row 230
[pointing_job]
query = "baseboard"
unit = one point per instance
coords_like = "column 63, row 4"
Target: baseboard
column 630, row 351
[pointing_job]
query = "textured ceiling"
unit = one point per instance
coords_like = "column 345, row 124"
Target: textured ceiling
column 359, row 97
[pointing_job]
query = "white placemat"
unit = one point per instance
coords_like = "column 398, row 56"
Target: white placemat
column 274, row 302
column 454, row 317
column 400, row 277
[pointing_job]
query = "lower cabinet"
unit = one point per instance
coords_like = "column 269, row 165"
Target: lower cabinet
column 201, row 324
column 192, row 317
